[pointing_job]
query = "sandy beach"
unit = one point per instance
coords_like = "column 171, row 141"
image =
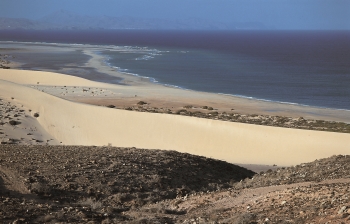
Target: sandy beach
column 54, row 98
column 161, row 96
column 52, row 107
column 133, row 89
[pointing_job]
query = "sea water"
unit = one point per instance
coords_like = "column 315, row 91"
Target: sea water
column 296, row 67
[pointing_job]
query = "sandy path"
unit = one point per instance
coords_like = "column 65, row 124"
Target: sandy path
column 244, row 198
column 247, row 196
column 294, row 203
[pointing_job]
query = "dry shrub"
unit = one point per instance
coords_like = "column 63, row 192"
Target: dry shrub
column 93, row 204
column 246, row 218
column 46, row 218
column 141, row 103
column 13, row 122
column 181, row 111
column 122, row 197
column 39, row 188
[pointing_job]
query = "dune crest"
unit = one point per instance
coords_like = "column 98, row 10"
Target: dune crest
column 81, row 124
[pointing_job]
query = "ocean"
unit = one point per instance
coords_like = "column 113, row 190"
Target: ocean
column 296, row 67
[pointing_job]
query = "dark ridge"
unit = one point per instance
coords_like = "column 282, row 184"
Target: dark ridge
column 335, row 167
column 96, row 180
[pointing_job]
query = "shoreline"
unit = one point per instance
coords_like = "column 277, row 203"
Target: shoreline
column 148, row 80
column 138, row 88
column 100, row 63
column 74, row 123
column 297, row 110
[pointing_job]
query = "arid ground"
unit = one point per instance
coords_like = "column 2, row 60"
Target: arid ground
column 75, row 184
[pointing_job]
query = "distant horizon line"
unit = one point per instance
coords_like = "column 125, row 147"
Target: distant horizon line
column 142, row 29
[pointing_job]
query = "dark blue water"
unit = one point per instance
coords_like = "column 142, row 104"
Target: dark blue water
column 302, row 67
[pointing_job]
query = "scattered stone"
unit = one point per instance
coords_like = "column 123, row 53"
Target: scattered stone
column 13, row 122
column 342, row 210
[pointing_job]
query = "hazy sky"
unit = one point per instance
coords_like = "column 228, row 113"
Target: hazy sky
column 280, row 14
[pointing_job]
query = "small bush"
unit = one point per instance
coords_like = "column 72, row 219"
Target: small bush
column 13, row 122
column 93, row 204
column 181, row 111
column 122, row 197
column 197, row 112
column 246, row 218
column 46, row 218
column 141, row 103
column 36, row 115
column 39, row 188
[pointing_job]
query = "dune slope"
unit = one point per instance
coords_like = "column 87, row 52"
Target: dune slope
column 80, row 124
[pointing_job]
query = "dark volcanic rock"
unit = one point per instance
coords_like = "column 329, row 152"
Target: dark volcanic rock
column 94, row 180
column 334, row 167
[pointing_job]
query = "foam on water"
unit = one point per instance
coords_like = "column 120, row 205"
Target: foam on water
column 298, row 68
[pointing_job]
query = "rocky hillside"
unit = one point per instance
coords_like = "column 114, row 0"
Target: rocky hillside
column 334, row 167
column 316, row 192
column 49, row 184
column 75, row 184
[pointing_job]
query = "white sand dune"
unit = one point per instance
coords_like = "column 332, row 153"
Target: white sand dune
column 46, row 78
column 80, row 124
